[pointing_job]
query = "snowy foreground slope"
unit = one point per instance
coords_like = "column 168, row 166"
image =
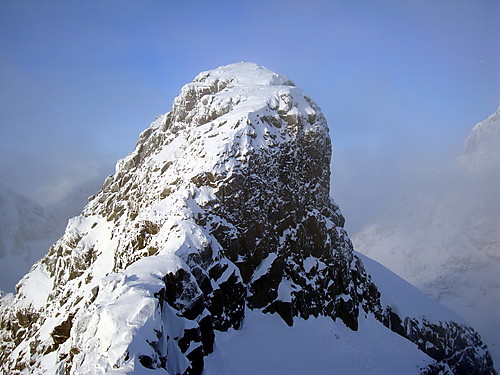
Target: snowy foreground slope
column 445, row 239
column 216, row 249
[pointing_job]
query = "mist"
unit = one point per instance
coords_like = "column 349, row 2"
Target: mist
column 441, row 232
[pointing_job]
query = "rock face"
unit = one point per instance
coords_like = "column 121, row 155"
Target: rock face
column 222, row 208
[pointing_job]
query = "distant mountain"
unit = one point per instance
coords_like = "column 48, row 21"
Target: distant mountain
column 57, row 214
column 27, row 229
column 482, row 144
column 23, row 240
column 215, row 248
column 445, row 238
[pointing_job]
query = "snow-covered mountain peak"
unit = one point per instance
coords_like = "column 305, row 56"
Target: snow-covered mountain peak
column 485, row 136
column 240, row 93
column 482, row 148
column 215, row 129
column 221, row 213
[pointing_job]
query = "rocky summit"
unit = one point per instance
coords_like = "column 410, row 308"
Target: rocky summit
column 219, row 218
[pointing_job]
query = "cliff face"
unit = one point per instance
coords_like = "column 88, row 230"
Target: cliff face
column 223, row 208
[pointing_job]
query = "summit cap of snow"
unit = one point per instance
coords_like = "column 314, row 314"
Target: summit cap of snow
column 243, row 74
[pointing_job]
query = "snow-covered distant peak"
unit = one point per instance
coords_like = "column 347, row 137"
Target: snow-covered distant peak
column 20, row 219
column 444, row 238
column 243, row 74
column 482, row 146
column 485, row 136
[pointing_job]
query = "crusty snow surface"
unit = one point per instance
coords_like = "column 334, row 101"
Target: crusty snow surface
column 445, row 238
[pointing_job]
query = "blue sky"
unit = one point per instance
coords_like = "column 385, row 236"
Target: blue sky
column 400, row 82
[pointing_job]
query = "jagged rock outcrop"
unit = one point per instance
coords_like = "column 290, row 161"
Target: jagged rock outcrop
column 222, row 208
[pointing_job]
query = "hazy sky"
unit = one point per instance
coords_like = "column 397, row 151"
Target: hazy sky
column 401, row 82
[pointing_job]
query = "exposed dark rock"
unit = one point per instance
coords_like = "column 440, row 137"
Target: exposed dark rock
column 449, row 343
column 61, row 332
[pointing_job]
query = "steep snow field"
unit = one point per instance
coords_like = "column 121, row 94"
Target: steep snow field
column 266, row 345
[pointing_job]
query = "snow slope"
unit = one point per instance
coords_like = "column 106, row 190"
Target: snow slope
column 267, row 345
column 445, row 238
column 216, row 230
